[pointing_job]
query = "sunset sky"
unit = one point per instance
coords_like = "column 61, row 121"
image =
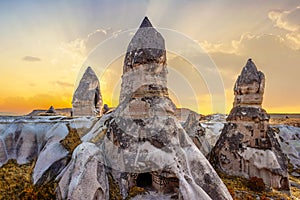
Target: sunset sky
column 45, row 47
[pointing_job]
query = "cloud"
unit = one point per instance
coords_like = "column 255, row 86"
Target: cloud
column 31, row 59
column 83, row 46
column 288, row 20
column 64, row 84
column 274, row 56
column 77, row 50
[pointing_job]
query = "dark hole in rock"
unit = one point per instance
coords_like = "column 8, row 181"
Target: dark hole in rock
column 144, row 180
column 96, row 98
column 256, row 142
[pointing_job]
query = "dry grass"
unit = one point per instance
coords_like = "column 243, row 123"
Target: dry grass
column 15, row 183
column 72, row 140
column 114, row 190
column 239, row 189
column 286, row 121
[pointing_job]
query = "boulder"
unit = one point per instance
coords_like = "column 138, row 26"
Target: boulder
column 85, row 176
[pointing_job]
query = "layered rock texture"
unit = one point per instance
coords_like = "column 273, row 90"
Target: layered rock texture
column 87, row 99
column 289, row 139
column 47, row 140
column 142, row 143
column 247, row 145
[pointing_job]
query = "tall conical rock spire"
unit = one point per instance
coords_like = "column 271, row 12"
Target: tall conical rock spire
column 247, row 145
column 144, row 70
column 87, row 99
column 146, row 23
column 146, row 46
column 249, row 87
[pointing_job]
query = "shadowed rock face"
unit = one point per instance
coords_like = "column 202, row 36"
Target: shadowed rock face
column 87, row 99
column 247, row 145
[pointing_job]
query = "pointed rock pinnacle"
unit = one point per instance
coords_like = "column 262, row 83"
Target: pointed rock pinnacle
column 146, row 23
column 147, row 46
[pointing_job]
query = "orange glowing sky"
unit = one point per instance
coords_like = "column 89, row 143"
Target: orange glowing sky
column 46, row 45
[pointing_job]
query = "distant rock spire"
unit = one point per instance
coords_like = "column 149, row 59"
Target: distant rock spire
column 87, row 99
column 247, row 146
column 51, row 110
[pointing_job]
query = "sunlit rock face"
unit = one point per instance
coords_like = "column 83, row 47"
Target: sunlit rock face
column 247, row 145
column 141, row 142
column 249, row 87
column 144, row 79
column 87, row 99
column 289, row 139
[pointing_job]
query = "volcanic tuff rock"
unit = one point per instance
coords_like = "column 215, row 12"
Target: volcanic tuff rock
column 144, row 70
column 247, row 145
column 26, row 139
column 87, row 99
column 289, row 139
column 142, row 142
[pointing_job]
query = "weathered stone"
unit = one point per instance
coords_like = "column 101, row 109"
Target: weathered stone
column 85, row 176
column 142, row 142
column 25, row 139
column 249, row 87
column 247, row 145
column 87, row 99
column 289, row 139
column 51, row 156
column 146, row 59
column 194, row 129
column 145, row 144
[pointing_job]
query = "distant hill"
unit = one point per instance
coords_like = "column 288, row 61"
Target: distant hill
column 59, row 111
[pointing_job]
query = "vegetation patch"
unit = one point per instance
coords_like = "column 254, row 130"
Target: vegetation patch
column 239, row 189
column 134, row 191
column 256, row 184
column 15, row 183
column 114, row 190
column 72, row 140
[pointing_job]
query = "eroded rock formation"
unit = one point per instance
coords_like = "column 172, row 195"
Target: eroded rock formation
column 247, row 145
column 142, row 142
column 87, row 99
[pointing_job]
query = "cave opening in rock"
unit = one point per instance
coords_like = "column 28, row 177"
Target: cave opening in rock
column 144, row 180
column 96, row 98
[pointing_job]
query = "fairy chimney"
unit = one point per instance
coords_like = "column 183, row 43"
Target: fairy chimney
column 247, row 146
column 87, row 99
